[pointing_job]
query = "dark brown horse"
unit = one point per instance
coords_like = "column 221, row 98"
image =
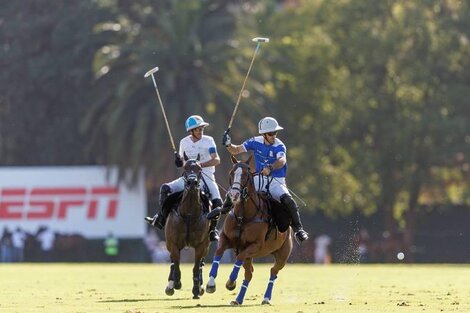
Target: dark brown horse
column 246, row 232
column 188, row 227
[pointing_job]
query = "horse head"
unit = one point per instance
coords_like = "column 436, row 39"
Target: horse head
column 241, row 180
column 192, row 172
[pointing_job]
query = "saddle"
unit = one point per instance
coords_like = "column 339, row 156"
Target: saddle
column 279, row 216
column 173, row 200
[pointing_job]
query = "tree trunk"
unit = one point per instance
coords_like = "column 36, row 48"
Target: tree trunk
column 410, row 220
column 390, row 224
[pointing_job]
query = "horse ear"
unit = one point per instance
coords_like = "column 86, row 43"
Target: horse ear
column 249, row 159
column 234, row 159
column 185, row 156
column 198, row 157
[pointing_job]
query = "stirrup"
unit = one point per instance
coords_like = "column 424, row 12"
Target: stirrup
column 157, row 221
column 214, row 235
column 301, row 235
column 214, row 214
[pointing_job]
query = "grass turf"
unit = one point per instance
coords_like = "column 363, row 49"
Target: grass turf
column 133, row 288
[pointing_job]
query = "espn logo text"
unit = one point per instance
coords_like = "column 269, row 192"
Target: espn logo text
column 56, row 203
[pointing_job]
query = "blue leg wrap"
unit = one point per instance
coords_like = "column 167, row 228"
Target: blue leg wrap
column 269, row 290
column 215, row 266
column 241, row 294
column 236, row 269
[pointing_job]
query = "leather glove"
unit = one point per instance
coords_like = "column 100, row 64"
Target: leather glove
column 226, row 140
column 178, row 160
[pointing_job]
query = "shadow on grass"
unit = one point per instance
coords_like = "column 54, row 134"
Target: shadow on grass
column 140, row 300
column 213, row 306
column 197, row 305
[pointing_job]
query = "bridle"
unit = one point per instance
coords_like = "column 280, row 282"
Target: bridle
column 192, row 174
column 242, row 187
column 192, row 178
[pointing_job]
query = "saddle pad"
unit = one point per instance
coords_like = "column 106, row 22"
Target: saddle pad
column 174, row 200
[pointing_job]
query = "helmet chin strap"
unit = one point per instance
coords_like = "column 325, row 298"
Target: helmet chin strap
column 266, row 138
column 193, row 133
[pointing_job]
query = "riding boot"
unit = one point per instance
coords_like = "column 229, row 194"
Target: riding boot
column 216, row 212
column 159, row 219
column 213, row 232
column 299, row 231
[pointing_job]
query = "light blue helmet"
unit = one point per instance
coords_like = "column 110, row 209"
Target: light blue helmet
column 195, row 121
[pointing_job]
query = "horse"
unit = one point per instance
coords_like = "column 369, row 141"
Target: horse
column 188, row 227
column 246, row 230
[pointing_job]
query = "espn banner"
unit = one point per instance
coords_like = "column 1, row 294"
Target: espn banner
column 82, row 200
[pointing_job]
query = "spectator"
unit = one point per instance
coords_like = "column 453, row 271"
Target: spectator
column 46, row 239
column 160, row 253
column 6, row 248
column 18, row 239
column 322, row 253
column 363, row 245
column 111, row 247
column 151, row 243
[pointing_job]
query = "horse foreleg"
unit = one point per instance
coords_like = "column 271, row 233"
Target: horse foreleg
column 197, row 271
column 210, row 288
column 248, row 252
column 174, row 279
column 248, row 266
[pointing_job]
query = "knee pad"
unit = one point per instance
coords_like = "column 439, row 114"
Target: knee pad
column 216, row 203
column 165, row 189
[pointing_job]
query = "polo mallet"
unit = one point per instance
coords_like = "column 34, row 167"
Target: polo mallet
column 150, row 73
column 258, row 41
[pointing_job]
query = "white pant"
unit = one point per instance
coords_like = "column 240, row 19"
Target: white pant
column 178, row 185
column 277, row 185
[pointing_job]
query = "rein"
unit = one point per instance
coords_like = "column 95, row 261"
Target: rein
column 245, row 196
column 191, row 198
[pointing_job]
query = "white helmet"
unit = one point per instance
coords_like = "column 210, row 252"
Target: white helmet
column 267, row 125
column 194, row 121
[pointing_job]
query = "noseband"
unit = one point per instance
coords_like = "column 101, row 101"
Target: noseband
column 192, row 175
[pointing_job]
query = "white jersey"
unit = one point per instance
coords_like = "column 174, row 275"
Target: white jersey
column 204, row 147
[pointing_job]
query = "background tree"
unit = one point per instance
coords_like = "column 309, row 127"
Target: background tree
column 192, row 43
column 46, row 51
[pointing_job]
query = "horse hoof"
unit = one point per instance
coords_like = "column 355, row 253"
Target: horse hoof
column 210, row 289
column 234, row 303
column 169, row 291
column 201, row 291
column 230, row 285
column 195, row 297
column 266, row 301
column 178, row 285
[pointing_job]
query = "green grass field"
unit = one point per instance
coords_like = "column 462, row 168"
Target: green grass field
column 132, row 288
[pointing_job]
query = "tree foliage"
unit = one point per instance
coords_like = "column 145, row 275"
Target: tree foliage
column 372, row 94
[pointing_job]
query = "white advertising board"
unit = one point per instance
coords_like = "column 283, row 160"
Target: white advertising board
column 82, row 200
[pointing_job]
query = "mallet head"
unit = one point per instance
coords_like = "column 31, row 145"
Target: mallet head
column 260, row 39
column 153, row 70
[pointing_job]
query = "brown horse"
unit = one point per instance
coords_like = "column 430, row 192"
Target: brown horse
column 246, row 231
column 188, row 227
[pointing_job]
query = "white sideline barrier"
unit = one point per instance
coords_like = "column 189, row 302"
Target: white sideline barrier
column 78, row 199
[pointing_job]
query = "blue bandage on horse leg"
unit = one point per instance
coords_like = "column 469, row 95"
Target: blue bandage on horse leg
column 215, row 266
column 241, row 294
column 236, row 269
column 269, row 290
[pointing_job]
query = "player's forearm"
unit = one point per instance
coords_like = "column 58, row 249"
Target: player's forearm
column 212, row 162
column 235, row 149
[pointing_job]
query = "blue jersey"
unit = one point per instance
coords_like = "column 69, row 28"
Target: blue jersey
column 267, row 154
